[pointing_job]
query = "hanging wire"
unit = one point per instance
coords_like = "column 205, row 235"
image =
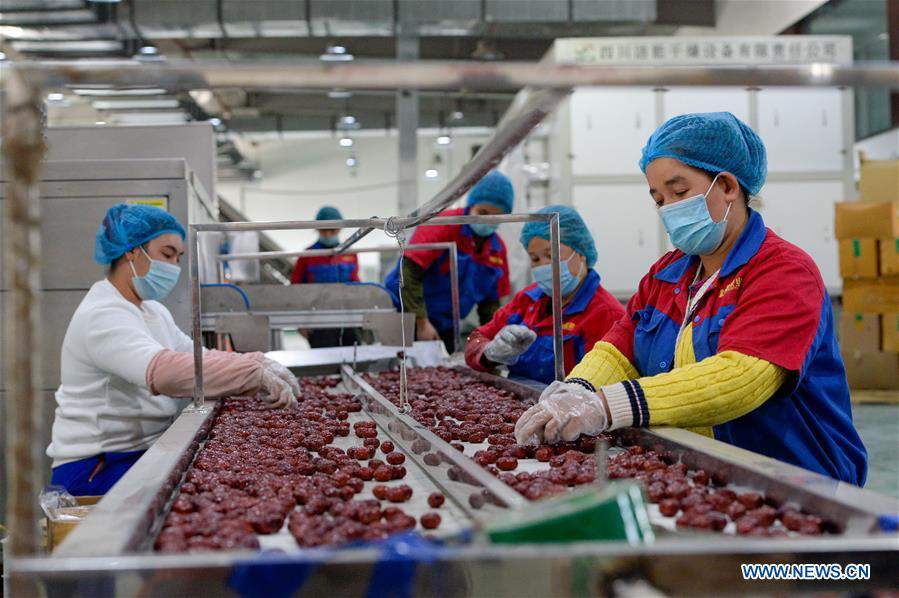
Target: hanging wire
column 393, row 230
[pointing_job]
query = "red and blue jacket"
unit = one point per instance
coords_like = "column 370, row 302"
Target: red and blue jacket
column 483, row 274
column 768, row 302
column 334, row 268
column 585, row 320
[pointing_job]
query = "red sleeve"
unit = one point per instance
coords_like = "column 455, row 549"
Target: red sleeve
column 299, row 271
column 504, row 287
column 621, row 334
column 602, row 320
column 431, row 234
column 354, row 275
column 474, row 351
column 499, row 319
column 778, row 311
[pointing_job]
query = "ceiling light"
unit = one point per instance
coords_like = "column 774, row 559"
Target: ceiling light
column 100, row 122
column 339, row 94
column 349, row 119
column 215, row 122
column 444, row 140
column 352, row 162
column 336, row 53
column 257, row 174
column 431, row 173
column 55, row 97
column 148, row 51
column 457, row 115
column 346, row 142
column 883, row 36
column 2, row 56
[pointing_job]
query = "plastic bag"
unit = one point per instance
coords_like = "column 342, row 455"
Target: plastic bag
column 58, row 504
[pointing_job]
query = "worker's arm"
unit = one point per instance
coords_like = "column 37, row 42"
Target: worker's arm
column 603, row 365
column 713, row 391
column 413, row 291
column 299, row 272
column 225, row 374
column 480, row 338
column 487, row 309
column 354, row 275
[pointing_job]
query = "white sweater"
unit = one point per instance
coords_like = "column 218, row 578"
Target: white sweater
column 103, row 403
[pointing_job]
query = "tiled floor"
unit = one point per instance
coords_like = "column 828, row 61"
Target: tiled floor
column 878, row 425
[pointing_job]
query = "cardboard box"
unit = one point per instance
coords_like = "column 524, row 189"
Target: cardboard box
column 860, row 332
column 871, row 296
column 872, row 371
column 890, row 332
column 889, row 257
column 879, row 180
column 862, row 219
column 68, row 519
column 858, row 258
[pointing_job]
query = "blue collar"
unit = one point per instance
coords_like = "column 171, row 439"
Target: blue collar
column 744, row 249
column 581, row 298
column 747, row 245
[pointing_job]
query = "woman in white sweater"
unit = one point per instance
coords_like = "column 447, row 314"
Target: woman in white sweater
column 126, row 368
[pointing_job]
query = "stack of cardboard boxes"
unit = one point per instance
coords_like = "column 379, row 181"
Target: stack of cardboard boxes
column 868, row 231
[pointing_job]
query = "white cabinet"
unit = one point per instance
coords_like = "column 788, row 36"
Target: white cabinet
column 625, row 226
column 802, row 212
column 609, row 128
column 684, row 100
column 802, row 129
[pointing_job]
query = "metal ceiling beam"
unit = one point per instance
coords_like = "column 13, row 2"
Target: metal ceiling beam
column 441, row 75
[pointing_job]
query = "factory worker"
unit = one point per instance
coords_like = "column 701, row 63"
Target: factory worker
column 126, row 368
column 336, row 268
column 482, row 260
column 730, row 335
column 520, row 335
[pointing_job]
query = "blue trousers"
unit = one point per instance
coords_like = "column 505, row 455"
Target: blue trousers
column 95, row 475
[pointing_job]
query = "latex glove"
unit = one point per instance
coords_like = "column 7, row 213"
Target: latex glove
column 283, row 373
column 529, row 427
column 575, row 411
column 276, row 392
column 509, row 344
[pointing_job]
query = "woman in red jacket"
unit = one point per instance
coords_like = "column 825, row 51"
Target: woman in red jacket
column 520, row 335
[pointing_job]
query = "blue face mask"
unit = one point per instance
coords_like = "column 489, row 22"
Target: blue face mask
column 329, row 241
column 159, row 280
column 690, row 226
column 568, row 282
column 483, row 230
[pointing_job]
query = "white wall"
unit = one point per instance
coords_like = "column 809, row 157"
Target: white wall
column 312, row 172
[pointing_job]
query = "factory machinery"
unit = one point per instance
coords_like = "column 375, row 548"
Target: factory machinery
column 234, row 498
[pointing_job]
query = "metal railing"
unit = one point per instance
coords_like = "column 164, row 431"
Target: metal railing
column 389, row 224
column 450, row 248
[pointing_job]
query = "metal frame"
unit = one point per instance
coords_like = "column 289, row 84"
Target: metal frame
column 395, row 224
column 449, row 247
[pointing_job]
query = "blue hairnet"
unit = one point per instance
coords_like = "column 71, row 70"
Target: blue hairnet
column 713, row 141
column 494, row 189
column 127, row 226
column 573, row 231
column 329, row 213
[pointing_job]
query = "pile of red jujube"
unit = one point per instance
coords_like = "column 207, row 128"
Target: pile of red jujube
column 258, row 464
column 460, row 408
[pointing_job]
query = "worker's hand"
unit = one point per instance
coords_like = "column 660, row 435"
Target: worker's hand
column 283, row 373
column 564, row 412
column 509, row 344
column 425, row 331
column 276, row 392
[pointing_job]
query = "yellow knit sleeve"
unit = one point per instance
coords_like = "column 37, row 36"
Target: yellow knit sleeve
column 713, row 391
column 604, row 364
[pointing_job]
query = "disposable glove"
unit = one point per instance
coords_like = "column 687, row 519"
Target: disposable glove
column 564, row 412
column 283, row 373
column 509, row 344
column 276, row 392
